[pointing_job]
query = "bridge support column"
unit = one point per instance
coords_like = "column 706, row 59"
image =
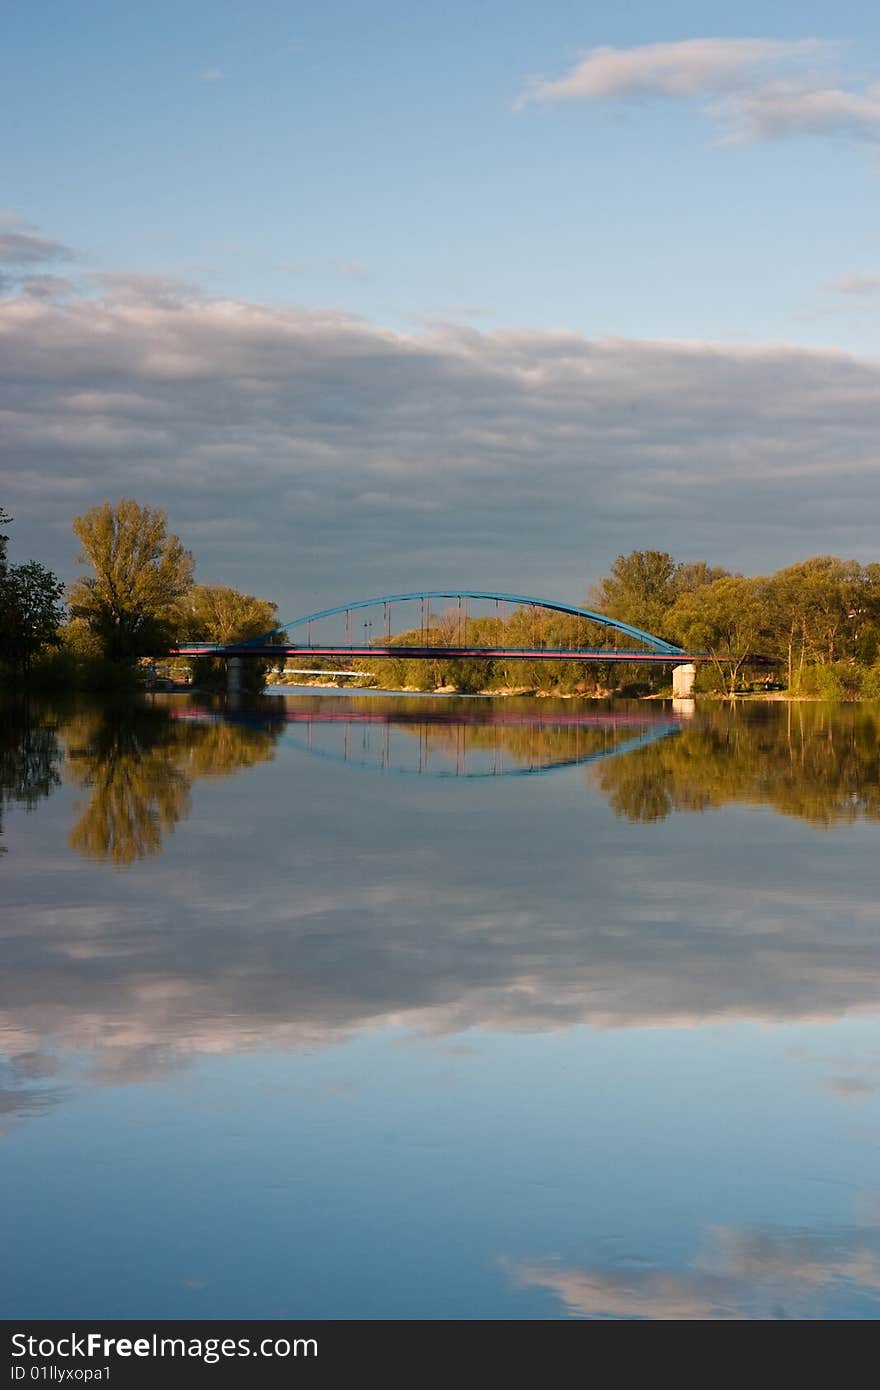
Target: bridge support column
column 233, row 675
column 683, row 678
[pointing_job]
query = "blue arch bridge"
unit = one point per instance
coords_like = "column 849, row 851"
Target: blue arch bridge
column 453, row 635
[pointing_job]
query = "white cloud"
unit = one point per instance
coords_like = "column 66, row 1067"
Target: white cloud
column 756, row 89
column 852, row 1087
column 531, row 956
column 212, row 75
column 781, row 109
column 21, row 250
column 20, row 246
column 858, row 284
column 142, row 288
column 740, row 1274
column 689, row 67
column 543, row 454
column 46, row 286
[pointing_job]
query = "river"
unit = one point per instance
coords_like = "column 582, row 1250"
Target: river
column 336, row 1006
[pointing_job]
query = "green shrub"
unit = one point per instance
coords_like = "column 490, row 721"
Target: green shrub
column 709, row 680
column 871, row 683
column 840, row 680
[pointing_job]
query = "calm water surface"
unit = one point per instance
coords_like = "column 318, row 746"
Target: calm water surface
column 351, row 1007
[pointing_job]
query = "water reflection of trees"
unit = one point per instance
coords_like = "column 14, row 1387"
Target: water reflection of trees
column 526, row 744
column 818, row 763
column 29, row 758
column 138, row 767
column 138, row 764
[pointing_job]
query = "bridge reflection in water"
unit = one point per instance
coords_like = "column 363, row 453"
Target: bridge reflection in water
column 466, row 740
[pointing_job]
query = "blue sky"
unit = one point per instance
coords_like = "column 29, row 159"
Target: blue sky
column 372, row 157
column 405, row 164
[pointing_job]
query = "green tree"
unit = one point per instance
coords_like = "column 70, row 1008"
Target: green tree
column 786, row 617
column 31, row 612
column 643, row 586
column 216, row 613
column 31, row 609
column 639, row 590
column 825, row 611
column 695, row 575
column 728, row 619
column 141, row 573
column 642, row 589
column 837, row 605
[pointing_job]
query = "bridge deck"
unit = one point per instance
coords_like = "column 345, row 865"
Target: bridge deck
column 272, row 653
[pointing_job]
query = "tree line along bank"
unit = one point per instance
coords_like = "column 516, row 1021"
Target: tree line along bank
column 817, row 621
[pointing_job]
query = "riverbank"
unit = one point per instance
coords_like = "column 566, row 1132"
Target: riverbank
column 531, row 692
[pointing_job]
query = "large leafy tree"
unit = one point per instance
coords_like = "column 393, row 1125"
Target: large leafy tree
column 694, row 575
column 643, row 586
column 640, row 589
column 31, row 613
column 643, row 589
column 837, row 601
column 31, row 609
column 140, row 575
column 824, row 611
column 216, row 613
column 728, row 619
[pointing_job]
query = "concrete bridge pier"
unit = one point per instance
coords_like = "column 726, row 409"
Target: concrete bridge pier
column 233, row 676
column 683, row 678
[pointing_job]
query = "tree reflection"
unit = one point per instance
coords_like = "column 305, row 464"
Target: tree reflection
column 129, row 763
column 525, row 747
column 29, row 758
column 139, row 766
column 138, row 763
column 528, row 744
column 816, row 762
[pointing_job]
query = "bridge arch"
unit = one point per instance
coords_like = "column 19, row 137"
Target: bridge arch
column 655, row 644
